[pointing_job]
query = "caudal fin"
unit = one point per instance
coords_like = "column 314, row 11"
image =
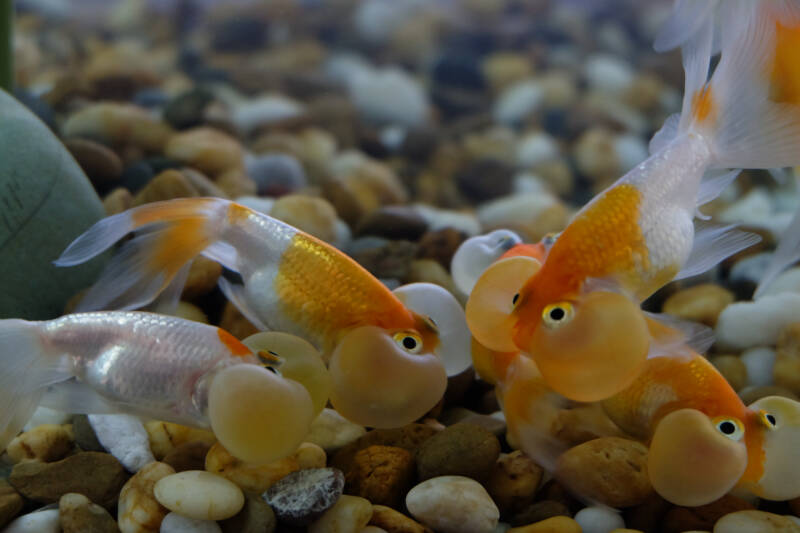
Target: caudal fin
column 27, row 370
column 749, row 110
column 170, row 235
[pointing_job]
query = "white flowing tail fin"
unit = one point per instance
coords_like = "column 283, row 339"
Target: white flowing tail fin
column 27, row 370
column 749, row 111
column 171, row 234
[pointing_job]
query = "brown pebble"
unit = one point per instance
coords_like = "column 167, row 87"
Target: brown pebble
column 188, row 456
column 538, row 511
column 440, row 245
column 97, row 475
column 381, row 474
column 11, row 503
column 203, row 276
column 210, row 151
column 610, row 470
column 513, row 482
column 117, row 201
column 168, row 185
column 255, row 517
column 786, row 371
column 235, row 182
column 460, row 450
column 394, row 521
column 753, row 393
column 45, row 443
column 393, row 222
column 138, row 510
column 649, row 514
column 234, row 322
column 584, row 423
column 77, row 514
column 408, row 437
column 680, row 519
column 732, row 369
column 556, row 524
column 701, row 303
column 101, row 165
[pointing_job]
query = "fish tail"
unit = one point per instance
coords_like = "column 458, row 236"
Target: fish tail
column 749, row 110
column 28, row 368
column 169, row 235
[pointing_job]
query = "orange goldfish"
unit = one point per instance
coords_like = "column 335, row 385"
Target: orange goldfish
column 578, row 315
column 388, row 353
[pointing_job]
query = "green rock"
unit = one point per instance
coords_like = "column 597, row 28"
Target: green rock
column 46, row 201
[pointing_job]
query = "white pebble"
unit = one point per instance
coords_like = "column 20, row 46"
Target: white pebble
column 747, row 324
column 599, row 520
column 198, row 494
column 536, row 148
column 453, row 504
column 331, row 431
column 45, row 415
column 751, row 268
column 759, row 363
column 125, row 438
column 752, row 209
column 250, row 114
column 631, row 150
column 608, row 73
column 390, row 96
column 789, row 281
column 443, row 218
column 517, row 102
column 36, row 522
column 376, row 20
column 175, row 523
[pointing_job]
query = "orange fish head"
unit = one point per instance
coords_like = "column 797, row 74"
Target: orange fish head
column 694, row 459
column 386, row 378
column 779, row 422
column 589, row 348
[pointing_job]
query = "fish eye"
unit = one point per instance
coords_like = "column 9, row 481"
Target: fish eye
column 730, row 427
column 410, row 342
column 515, row 299
column 768, row 419
column 555, row 315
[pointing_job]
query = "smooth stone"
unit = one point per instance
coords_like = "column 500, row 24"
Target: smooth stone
column 518, row 101
column 138, row 511
column 166, row 436
column 256, row 517
column 409, row 437
column 77, row 514
column 390, row 96
column 175, row 523
column 703, row 517
column 187, row 109
column 538, row 511
column 332, row 431
column 303, row 496
column 84, row 434
column 118, row 124
column 608, row 73
column 746, row 324
column 755, row 522
column 254, row 478
column 700, row 303
column 599, row 520
column 751, row 267
column 786, row 371
column 210, row 151
column 556, row 524
column 100, row 164
column 136, row 175
column 453, row 504
column 788, row 281
column 44, row 443
column 393, row 222
column 532, row 215
column 125, row 438
column 348, row 515
column 46, row 521
column 188, row 456
column 595, row 154
column 263, row 110
column 485, row 179
column 461, row 450
column 394, row 521
column 440, row 219
column 199, row 494
column 732, row 369
column 11, row 503
column 631, row 150
column 381, row 474
column 275, row 174
column 307, row 213
column 759, row 362
column 99, row 476
column 536, row 148
column 167, row 185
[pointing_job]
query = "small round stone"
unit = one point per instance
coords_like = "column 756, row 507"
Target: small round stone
column 453, row 504
column 349, row 514
column 513, row 481
column 77, row 514
column 200, row 495
column 598, row 520
column 45, row 443
column 175, row 523
column 302, row 497
column 745, row 521
column 381, row 474
column 462, row 449
column 256, row 517
column 556, row 524
column 138, row 509
column 46, row 521
column 701, row 303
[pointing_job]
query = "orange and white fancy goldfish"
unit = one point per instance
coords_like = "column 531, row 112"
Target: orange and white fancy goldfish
column 389, row 353
column 578, row 315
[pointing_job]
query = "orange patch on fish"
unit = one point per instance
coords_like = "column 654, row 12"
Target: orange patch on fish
column 703, row 105
column 536, row 251
column 233, row 344
column 605, row 242
column 756, row 454
column 785, row 73
column 329, row 293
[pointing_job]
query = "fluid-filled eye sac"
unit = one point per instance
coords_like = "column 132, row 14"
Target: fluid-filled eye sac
column 691, row 462
column 378, row 382
column 591, row 349
column 781, row 448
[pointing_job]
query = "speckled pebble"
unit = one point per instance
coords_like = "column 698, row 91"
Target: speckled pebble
column 125, row 438
column 138, row 510
column 381, row 474
column 514, row 481
column 453, row 504
column 45, row 443
column 198, row 494
column 254, row 478
column 46, row 521
column 755, row 522
column 301, row 497
column 175, row 523
column 598, row 520
column 166, row 436
column 348, row 515
column 77, row 514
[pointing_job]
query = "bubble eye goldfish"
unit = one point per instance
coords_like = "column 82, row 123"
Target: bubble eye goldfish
column 157, row 366
column 639, row 233
column 387, row 358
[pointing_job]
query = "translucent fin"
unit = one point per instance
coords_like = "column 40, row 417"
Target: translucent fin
column 750, row 110
column 686, row 19
column 696, row 57
column 72, row 396
column 667, row 132
column 167, row 301
column 671, row 334
column 714, row 182
column 97, row 239
column 712, row 244
column 235, row 293
column 223, row 253
column 786, row 254
column 27, row 370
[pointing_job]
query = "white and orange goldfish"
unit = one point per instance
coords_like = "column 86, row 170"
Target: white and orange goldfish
column 158, row 366
column 578, row 315
column 389, row 354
